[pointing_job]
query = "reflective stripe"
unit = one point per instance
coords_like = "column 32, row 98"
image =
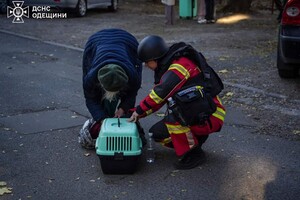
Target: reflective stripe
column 177, row 129
column 155, row 97
column 220, row 113
column 148, row 112
column 166, row 141
column 218, row 98
column 190, row 139
column 181, row 69
column 221, row 110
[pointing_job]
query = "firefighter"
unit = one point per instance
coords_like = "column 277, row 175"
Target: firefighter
column 175, row 68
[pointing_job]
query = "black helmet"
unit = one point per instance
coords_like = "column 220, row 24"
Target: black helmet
column 152, row 48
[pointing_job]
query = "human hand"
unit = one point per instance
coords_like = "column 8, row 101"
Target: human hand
column 119, row 113
column 134, row 117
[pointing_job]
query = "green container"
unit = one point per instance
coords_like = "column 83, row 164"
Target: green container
column 118, row 146
column 187, row 8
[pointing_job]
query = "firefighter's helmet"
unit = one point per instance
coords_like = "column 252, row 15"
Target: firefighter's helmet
column 152, row 48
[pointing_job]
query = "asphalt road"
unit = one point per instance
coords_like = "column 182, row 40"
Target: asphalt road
column 42, row 109
column 255, row 156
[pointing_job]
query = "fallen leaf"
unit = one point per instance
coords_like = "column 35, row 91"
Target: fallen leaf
column 5, row 190
column 296, row 132
column 223, row 71
column 229, row 94
column 160, row 114
column 2, row 183
column 50, row 180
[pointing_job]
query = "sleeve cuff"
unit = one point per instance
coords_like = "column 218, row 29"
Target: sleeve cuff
column 139, row 110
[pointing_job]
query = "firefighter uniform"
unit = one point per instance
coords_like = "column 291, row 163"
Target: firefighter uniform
column 181, row 73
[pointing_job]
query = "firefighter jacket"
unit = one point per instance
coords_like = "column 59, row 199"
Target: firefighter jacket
column 181, row 72
column 110, row 46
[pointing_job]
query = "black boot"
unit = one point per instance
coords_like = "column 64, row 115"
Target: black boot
column 191, row 159
column 201, row 139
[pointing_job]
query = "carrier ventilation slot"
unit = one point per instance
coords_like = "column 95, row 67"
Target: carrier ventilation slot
column 119, row 143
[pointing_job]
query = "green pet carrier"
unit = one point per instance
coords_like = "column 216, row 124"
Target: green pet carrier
column 118, row 146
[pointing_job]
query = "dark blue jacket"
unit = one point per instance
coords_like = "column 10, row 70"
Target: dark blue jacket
column 110, row 46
